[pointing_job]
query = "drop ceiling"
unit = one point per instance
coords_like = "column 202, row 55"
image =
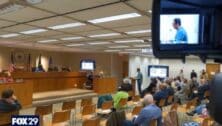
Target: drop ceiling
column 49, row 13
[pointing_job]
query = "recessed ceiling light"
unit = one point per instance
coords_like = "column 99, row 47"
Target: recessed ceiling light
column 133, row 49
column 71, row 38
column 69, row 25
column 9, row 35
column 99, row 43
column 72, row 45
column 104, row 35
column 47, row 41
column 116, row 47
column 139, row 31
column 114, row 18
column 33, row 31
column 142, row 45
column 150, row 11
column 147, row 50
column 111, row 50
column 129, row 41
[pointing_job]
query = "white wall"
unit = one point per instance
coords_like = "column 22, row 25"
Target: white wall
column 174, row 66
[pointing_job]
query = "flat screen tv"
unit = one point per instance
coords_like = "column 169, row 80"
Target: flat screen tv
column 179, row 28
column 158, row 71
column 87, row 65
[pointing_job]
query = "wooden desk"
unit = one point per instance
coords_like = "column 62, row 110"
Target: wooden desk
column 23, row 91
column 51, row 81
column 105, row 85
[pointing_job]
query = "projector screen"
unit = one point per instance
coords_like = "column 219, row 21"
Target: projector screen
column 158, row 71
column 179, row 28
column 87, row 65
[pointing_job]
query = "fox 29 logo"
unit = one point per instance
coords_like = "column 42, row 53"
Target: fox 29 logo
column 25, row 120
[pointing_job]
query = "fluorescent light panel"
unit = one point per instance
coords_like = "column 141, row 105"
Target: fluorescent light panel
column 99, row 43
column 72, row 45
column 111, row 50
column 133, row 49
column 47, row 41
column 9, row 35
column 150, row 11
column 129, row 41
column 33, row 31
column 104, row 35
column 114, row 18
column 116, row 47
column 142, row 45
column 69, row 25
column 139, row 31
column 71, row 38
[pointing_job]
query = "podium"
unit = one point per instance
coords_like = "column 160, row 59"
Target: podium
column 105, row 85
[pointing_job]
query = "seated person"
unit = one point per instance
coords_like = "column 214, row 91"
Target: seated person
column 170, row 89
column 121, row 94
column 151, row 111
column 162, row 94
column 103, row 99
column 89, row 81
column 127, row 84
column 199, row 110
column 9, row 102
column 204, row 86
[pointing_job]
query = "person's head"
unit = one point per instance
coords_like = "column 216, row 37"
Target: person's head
column 126, row 81
column 148, row 99
column 176, row 23
column 185, row 81
column 138, row 69
column 7, row 94
column 162, row 86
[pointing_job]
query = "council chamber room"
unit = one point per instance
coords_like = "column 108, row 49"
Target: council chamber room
column 110, row 63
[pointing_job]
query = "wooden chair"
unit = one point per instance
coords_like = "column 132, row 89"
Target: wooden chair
column 61, row 117
column 136, row 110
column 188, row 105
column 5, row 118
column 107, row 105
column 174, row 107
column 207, row 122
column 70, row 105
column 170, row 99
column 194, row 101
column 206, row 94
column 89, row 110
column 162, row 103
column 91, row 122
column 136, row 98
column 153, row 122
column 123, row 102
column 43, row 110
column 87, row 101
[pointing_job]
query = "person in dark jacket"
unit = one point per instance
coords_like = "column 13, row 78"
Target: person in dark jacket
column 193, row 74
column 204, row 86
column 9, row 102
column 162, row 94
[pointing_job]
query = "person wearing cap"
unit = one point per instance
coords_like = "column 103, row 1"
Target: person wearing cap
column 9, row 102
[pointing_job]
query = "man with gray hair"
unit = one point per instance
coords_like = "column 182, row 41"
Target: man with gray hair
column 148, row 113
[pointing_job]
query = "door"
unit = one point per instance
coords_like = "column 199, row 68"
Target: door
column 125, row 69
column 212, row 69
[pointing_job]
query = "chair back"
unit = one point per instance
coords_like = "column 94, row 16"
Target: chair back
column 136, row 110
column 153, row 122
column 60, row 117
column 162, row 102
column 206, row 94
column 188, row 105
column 43, row 110
column 207, row 122
column 123, row 102
column 69, row 105
column 174, row 107
column 170, row 99
column 5, row 118
column 107, row 105
column 88, row 110
column 87, row 101
column 92, row 122
column 136, row 98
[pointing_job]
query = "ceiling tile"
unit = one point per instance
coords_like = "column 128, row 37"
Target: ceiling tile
column 70, row 5
column 77, row 30
column 25, row 14
column 144, row 5
column 19, row 28
column 5, row 23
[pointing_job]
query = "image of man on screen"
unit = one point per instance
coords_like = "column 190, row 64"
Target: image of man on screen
column 181, row 34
